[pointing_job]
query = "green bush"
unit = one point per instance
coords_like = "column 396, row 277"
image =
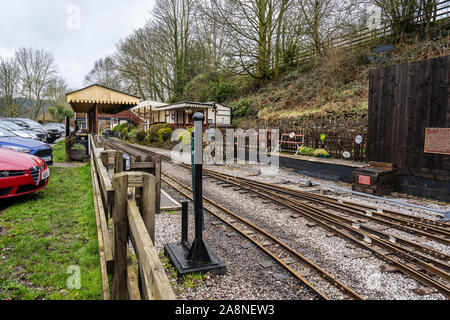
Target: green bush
column 306, row 151
column 147, row 140
column 140, row 136
column 321, row 153
column 156, row 127
column 164, row 134
column 120, row 127
column 132, row 135
column 185, row 137
column 242, row 108
column 124, row 133
column 153, row 131
column 221, row 91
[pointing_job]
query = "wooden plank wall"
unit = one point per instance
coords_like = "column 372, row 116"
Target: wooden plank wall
column 404, row 100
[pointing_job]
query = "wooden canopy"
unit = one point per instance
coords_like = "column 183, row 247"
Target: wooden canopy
column 105, row 100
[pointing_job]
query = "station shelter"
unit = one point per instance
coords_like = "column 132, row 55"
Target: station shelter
column 90, row 102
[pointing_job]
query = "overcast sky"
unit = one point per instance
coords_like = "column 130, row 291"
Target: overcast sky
column 77, row 32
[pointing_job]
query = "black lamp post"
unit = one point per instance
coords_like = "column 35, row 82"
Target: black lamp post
column 196, row 256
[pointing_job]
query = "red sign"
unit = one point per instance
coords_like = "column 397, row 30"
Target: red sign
column 365, row 180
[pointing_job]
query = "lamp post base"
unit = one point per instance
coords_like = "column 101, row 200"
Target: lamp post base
column 178, row 252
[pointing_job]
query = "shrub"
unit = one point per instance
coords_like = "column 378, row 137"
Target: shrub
column 153, row 132
column 132, row 135
column 124, row 133
column 164, row 134
column 185, row 137
column 156, row 127
column 321, row 153
column 140, row 136
column 306, row 151
column 147, row 140
column 242, row 108
column 122, row 126
column 221, row 91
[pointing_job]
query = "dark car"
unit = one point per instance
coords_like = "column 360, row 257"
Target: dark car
column 53, row 133
column 29, row 146
column 30, row 125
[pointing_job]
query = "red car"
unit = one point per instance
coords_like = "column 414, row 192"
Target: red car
column 21, row 173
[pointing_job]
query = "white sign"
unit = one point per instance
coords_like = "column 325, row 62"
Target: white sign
column 346, row 154
column 292, row 135
column 358, row 139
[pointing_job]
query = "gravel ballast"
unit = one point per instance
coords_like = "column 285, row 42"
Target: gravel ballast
column 246, row 278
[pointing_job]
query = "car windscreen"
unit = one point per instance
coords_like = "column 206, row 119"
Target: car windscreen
column 4, row 133
column 18, row 122
column 33, row 124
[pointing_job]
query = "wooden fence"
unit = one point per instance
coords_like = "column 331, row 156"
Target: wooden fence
column 365, row 35
column 336, row 142
column 404, row 100
column 130, row 199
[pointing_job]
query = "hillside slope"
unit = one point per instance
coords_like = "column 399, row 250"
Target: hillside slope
column 336, row 84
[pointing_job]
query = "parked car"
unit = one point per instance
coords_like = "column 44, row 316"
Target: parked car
column 20, row 131
column 21, row 173
column 59, row 125
column 53, row 132
column 32, row 147
column 30, row 125
column 50, row 127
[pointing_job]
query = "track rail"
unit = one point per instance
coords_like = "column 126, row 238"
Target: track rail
column 293, row 261
column 424, row 264
column 271, row 245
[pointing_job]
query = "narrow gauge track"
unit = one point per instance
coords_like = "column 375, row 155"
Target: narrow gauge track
column 427, row 269
column 293, row 261
column 287, row 257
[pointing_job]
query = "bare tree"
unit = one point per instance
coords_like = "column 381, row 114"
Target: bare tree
column 37, row 68
column 9, row 87
column 105, row 73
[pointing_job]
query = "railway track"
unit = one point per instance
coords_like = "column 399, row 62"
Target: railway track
column 424, row 264
column 294, row 262
column 297, row 264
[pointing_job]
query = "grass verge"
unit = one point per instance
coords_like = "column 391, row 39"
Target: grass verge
column 43, row 234
column 59, row 151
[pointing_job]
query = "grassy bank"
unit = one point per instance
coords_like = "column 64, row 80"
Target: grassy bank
column 41, row 235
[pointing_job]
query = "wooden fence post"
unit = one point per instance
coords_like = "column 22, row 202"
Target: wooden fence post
column 157, row 185
column 119, row 162
column 120, row 218
column 148, row 200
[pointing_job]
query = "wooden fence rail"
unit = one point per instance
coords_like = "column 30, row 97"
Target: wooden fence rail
column 130, row 199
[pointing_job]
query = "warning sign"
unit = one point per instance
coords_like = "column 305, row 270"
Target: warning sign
column 364, row 180
column 437, row 140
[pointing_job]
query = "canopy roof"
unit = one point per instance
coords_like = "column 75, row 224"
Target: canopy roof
column 191, row 105
column 108, row 101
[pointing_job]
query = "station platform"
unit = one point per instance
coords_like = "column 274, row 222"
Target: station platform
column 326, row 169
column 168, row 203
